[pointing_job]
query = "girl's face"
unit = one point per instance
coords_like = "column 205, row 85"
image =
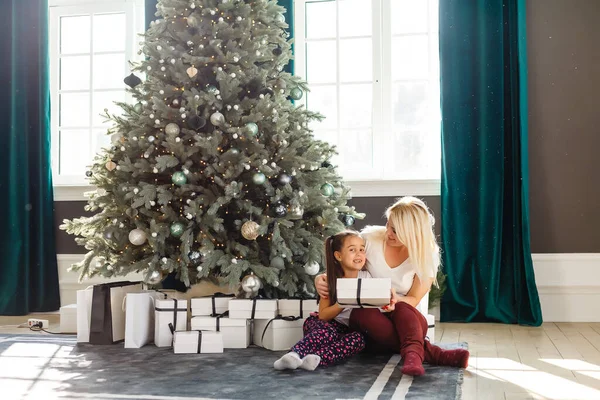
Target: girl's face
column 352, row 254
column 391, row 239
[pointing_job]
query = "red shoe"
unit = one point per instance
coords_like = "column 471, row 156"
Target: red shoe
column 413, row 365
column 435, row 355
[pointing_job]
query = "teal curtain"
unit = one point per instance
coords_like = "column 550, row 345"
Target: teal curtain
column 289, row 19
column 28, row 269
column 485, row 234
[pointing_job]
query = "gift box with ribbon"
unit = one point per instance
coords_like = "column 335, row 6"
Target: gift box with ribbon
column 193, row 342
column 168, row 311
column 252, row 308
column 236, row 332
column 213, row 305
column 297, row 307
column 279, row 333
column 363, row 293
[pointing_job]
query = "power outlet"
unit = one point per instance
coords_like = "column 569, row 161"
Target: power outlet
column 33, row 321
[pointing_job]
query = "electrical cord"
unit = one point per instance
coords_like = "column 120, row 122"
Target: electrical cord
column 39, row 328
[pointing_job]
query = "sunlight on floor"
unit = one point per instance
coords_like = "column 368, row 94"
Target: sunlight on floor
column 539, row 382
column 35, row 369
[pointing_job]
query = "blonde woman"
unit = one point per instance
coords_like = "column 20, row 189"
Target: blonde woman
column 406, row 251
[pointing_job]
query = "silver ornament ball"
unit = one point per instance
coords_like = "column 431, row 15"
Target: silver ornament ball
column 250, row 230
column 312, row 268
column 217, row 119
column 251, row 284
column 154, row 278
column 172, row 129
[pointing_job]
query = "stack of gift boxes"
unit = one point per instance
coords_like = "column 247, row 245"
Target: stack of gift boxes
column 125, row 312
column 222, row 322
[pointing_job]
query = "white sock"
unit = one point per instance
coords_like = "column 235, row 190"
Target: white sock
column 290, row 360
column 310, row 362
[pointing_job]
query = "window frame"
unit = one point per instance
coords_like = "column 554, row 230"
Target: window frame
column 372, row 183
column 72, row 187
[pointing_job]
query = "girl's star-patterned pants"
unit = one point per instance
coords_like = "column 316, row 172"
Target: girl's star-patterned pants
column 330, row 340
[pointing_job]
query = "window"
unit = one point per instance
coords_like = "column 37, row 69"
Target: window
column 373, row 70
column 90, row 47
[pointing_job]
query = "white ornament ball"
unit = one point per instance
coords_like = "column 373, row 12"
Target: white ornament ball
column 154, row 234
column 159, row 48
column 137, row 237
column 312, row 268
column 250, row 230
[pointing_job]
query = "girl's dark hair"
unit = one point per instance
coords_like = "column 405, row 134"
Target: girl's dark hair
column 333, row 267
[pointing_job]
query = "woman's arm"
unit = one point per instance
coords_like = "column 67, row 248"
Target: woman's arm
column 321, row 286
column 327, row 312
column 417, row 291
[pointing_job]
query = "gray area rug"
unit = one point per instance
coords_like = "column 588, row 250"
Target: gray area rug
column 58, row 367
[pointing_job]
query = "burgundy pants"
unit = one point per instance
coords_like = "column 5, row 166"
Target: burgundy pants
column 402, row 330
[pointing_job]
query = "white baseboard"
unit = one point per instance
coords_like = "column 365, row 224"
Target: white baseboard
column 69, row 281
column 568, row 286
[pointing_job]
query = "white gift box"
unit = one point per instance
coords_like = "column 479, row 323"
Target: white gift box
column 213, row 305
column 430, row 327
column 243, row 308
column 168, row 311
column 297, row 307
column 193, row 342
column 365, row 293
column 277, row 334
column 68, row 319
column 236, row 332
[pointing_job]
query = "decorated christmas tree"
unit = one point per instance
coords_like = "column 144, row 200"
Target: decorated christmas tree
column 214, row 172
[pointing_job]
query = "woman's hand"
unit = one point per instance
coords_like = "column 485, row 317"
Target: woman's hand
column 394, row 298
column 321, row 286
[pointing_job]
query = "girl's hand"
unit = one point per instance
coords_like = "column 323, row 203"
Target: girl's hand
column 321, row 286
column 394, row 298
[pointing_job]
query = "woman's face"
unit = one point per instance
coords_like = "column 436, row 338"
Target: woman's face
column 390, row 236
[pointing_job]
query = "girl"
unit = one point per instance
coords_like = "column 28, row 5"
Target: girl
column 327, row 339
column 406, row 251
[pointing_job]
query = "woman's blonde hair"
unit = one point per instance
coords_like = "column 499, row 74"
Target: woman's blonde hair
column 413, row 223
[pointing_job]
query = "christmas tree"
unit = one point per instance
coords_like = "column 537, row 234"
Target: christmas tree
column 214, row 173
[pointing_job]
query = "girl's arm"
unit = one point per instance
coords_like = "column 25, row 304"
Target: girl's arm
column 417, row 291
column 327, row 312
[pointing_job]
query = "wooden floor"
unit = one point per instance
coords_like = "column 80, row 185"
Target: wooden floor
column 554, row 361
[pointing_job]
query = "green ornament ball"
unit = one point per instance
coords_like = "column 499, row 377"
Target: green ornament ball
column 327, row 189
column 252, row 128
column 138, row 108
column 179, row 178
column 177, row 229
column 296, row 93
column 259, row 178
